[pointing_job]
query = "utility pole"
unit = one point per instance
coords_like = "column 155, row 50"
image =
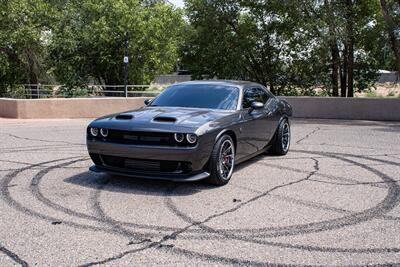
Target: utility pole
column 126, row 62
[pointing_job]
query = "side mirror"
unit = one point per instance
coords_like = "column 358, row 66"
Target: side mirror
column 256, row 106
column 147, row 102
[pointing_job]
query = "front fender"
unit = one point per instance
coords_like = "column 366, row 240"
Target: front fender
column 285, row 107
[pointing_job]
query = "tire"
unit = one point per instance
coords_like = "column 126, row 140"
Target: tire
column 220, row 175
column 281, row 141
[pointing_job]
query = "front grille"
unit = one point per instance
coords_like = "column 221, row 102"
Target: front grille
column 145, row 165
column 140, row 138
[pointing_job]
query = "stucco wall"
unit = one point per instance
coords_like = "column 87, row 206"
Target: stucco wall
column 8, row 108
column 346, row 108
column 303, row 107
column 66, row 108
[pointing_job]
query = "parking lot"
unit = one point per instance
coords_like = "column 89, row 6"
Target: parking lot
column 333, row 200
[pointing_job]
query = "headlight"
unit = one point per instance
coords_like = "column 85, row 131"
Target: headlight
column 104, row 132
column 191, row 138
column 94, row 132
column 179, row 137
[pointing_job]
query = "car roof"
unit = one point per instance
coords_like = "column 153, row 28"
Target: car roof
column 240, row 84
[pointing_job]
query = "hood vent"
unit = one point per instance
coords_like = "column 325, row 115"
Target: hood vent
column 124, row 117
column 165, row 119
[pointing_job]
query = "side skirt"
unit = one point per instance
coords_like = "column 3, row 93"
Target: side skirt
column 259, row 152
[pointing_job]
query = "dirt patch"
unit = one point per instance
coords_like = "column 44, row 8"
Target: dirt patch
column 382, row 90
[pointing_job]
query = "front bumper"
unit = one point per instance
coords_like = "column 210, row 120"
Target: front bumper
column 195, row 157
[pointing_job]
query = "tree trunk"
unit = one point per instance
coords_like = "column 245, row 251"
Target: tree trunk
column 335, row 69
column 350, row 69
column 272, row 88
column 32, row 76
column 350, row 47
column 334, row 49
column 343, row 73
column 391, row 31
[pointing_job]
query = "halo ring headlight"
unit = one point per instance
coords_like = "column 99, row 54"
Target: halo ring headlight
column 104, row 132
column 179, row 137
column 94, row 132
column 191, row 138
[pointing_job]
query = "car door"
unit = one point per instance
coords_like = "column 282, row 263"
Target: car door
column 272, row 116
column 255, row 134
column 265, row 124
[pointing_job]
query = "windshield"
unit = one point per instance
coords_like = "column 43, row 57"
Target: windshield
column 199, row 96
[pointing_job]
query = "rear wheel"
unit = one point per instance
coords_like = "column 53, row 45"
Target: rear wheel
column 222, row 161
column 281, row 142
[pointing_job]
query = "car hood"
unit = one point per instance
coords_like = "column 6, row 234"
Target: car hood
column 164, row 119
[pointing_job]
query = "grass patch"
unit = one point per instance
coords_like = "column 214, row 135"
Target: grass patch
column 371, row 93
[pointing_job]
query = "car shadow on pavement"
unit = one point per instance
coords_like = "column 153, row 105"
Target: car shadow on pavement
column 388, row 129
column 132, row 185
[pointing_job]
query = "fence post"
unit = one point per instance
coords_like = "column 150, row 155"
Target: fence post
column 126, row 62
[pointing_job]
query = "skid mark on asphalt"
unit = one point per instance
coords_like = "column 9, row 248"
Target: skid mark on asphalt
column 331, row 177
column 389, row 203
column 104, row 218
column 13, row 256
column 116, row 227
column 6, row 197
column 41, row 140
column 93, row 201
column 192, row 224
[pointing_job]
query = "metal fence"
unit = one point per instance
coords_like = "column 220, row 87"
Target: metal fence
column 35, row 91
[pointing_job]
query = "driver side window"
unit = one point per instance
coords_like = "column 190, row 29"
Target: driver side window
column 254, row 94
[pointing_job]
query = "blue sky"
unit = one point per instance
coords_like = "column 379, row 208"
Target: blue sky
column 178, row 3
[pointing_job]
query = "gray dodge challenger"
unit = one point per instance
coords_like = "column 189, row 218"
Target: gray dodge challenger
column 192, row 131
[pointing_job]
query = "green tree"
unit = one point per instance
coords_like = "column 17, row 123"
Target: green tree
column 23, row 35
column 87, row 44
column 392, row 25
column 237, row 40
column 292, row 46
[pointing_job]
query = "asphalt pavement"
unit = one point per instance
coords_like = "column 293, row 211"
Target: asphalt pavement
column 333, row 200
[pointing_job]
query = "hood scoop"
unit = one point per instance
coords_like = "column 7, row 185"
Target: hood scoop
column 164, row 119
column 124, row 117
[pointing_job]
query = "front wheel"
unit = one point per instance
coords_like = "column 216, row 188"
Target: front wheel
column 222, row 161
column 281, row 142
